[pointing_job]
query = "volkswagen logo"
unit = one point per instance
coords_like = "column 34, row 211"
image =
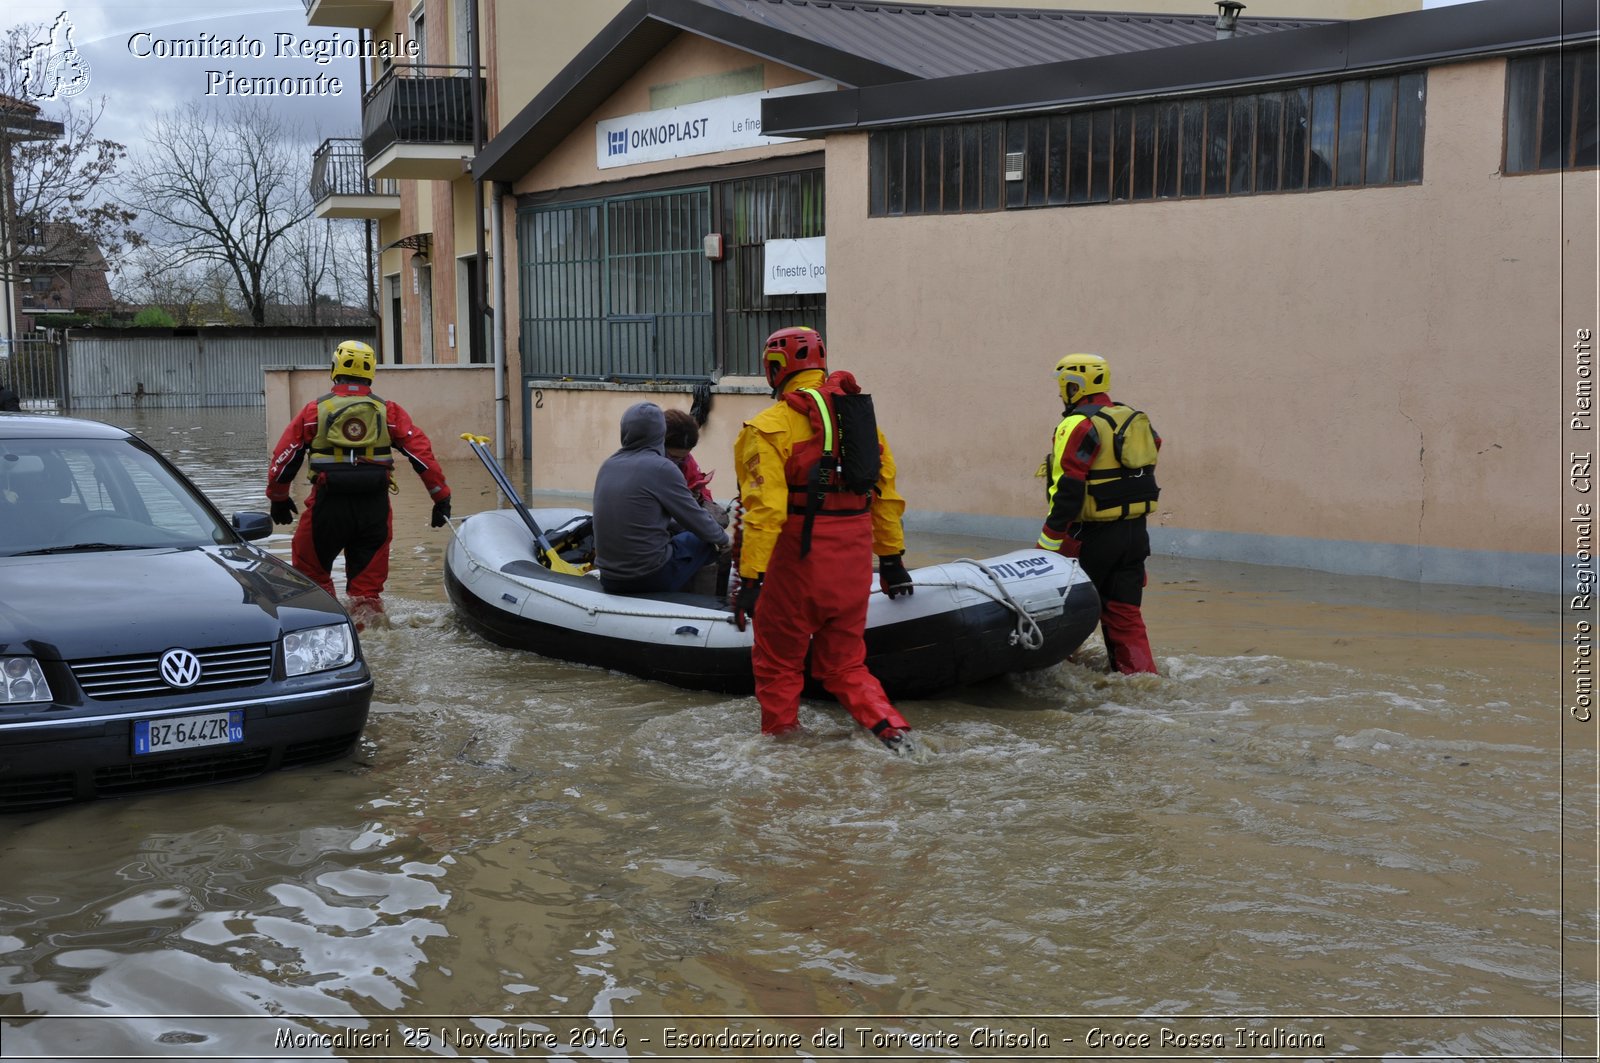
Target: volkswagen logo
column 180, row 668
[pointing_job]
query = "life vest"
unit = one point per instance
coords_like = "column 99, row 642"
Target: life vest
column 835, row 471
column 351, row 448
column 1121, row 482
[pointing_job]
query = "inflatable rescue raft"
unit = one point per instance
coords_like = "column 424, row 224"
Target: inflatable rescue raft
column 968, row 620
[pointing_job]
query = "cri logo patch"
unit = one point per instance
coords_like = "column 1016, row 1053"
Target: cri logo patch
column 180, row 668
column 353, row 431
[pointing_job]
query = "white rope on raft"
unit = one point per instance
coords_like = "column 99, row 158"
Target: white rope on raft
column 1027, row 631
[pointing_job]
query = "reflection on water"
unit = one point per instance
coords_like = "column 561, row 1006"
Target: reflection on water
column 1321, row 819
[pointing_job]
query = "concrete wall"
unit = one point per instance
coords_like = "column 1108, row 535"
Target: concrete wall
column 444, row 400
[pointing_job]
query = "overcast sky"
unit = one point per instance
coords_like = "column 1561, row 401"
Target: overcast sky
column 122, row 42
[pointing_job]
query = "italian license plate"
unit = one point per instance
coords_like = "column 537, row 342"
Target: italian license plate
column 188, row 732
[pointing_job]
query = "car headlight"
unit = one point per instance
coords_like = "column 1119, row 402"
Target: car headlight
column 22, row 680
column 318, row 649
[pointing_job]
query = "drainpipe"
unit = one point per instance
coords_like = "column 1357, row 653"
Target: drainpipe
column 1227, row 18
column 478, row 80
column 498, row 327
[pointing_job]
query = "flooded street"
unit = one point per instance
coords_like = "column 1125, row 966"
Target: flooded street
column 1341, row 823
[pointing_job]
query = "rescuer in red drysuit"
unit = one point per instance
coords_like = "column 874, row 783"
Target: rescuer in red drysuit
column 808, row 540
column 350, row 436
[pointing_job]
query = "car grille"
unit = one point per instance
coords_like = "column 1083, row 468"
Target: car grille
column 183, row 771
column 135, row 677
column 37, row 791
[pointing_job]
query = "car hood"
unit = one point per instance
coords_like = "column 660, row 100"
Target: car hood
column 73, row 606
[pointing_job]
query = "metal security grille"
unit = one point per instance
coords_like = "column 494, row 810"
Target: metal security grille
column 619, row 289
column 111, row 678
column 786, row 206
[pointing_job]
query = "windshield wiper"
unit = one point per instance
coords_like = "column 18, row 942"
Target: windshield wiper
column 76, row 548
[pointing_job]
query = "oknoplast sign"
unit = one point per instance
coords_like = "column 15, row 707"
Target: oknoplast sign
column 723, row 124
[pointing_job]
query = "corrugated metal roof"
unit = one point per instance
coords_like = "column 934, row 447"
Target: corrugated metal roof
column 852, row 43
column 925, row 41
column 1463, row 31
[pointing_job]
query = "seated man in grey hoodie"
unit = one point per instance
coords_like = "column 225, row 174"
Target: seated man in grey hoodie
column 638, row 494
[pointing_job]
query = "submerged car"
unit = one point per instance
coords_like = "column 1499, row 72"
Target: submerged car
column 145, row 642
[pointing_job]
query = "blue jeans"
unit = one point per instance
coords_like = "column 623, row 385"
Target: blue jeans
column 690, row 554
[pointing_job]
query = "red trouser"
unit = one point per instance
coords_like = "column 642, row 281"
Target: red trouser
column 1112, row 554
column 819, row 604
column 358, row 525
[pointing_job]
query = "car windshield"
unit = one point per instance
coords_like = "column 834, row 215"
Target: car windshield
column 60, row 495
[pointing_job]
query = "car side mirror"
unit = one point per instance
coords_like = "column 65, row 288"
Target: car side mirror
column 252, row 525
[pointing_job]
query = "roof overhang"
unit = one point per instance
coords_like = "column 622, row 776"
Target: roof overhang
column 1489, row 27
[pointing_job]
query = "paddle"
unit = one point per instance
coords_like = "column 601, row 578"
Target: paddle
column 552, row 560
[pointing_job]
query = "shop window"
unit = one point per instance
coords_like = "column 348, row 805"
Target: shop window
column 1360, row 132
column 1551, row 112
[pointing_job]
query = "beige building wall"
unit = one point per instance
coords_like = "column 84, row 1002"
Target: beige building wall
column 572, row 164
column 1358, row 371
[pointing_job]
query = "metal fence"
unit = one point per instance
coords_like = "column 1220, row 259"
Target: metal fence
column 112, row 369
column 32, row 367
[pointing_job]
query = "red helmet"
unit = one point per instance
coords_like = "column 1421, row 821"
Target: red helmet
column 790, row 351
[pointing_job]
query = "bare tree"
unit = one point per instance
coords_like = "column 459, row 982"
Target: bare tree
column 192, row 293
column 322, row 269
column 226, row 188
column 55, row 174
column 308, row 264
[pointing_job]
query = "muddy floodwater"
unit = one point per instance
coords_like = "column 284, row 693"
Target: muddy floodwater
column 1350, row 819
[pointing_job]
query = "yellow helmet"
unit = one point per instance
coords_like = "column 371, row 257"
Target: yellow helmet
column 354, row 359
column 1078, row 375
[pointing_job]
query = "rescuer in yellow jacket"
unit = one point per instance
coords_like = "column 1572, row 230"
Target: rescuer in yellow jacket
column 1102, row 484
column 819, row 501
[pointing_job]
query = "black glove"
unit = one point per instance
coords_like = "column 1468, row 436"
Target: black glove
column 892, row 575
column 283, row 512
column 744, row 605
column 441, row 512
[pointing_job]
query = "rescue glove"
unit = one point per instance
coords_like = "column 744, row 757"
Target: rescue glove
column 283, row 512
column 892, row 575
column 744, row 604
column 896, row 739
column 441, row 512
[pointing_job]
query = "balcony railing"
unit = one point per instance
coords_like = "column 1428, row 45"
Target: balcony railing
column 339, row 168
column 417, row 104
column 363, row 14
